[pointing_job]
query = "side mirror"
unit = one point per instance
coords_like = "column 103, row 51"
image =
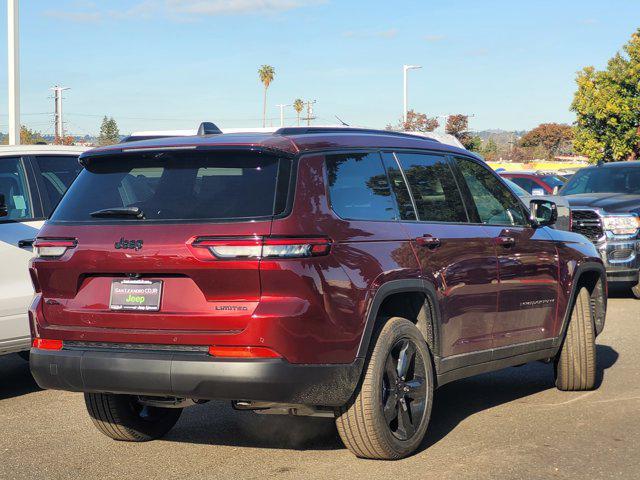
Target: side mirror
column 544, row 213
column 4, row 210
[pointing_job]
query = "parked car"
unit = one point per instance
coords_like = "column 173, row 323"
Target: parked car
column 536, row 183
column 562, row 205
column 605, row 202
column 33, row 178
column 310, row 271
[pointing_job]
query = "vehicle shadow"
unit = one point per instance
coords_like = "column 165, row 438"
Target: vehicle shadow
column 216, row 423
column 620, row 292
column 459, row 400
column 15, row 377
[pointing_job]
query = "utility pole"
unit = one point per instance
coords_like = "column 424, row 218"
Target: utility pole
column 310, row 115
column 405, row 106
column 57, row 92
column 281, row 106
column 13, row 56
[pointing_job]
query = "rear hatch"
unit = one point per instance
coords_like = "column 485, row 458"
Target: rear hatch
column 147, row 242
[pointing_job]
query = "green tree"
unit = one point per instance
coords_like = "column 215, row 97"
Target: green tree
column 472, row 143
column 607, row 106
column 554, row 137
column 109, row 132
column 266, row 74
column 298, row 105
column 489, row 150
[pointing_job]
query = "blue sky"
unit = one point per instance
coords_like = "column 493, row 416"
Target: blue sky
column 162, row 64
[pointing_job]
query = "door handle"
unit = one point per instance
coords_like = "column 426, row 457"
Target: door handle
column 26, row 243
column 505, row 241
column 428, row 241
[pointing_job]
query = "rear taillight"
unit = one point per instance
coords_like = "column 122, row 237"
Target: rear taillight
column 47, row 344
column 243, row 352
column 53, row 247
column 249, row 248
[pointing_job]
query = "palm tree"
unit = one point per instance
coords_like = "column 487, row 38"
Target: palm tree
column 298, row 105
column 266, row 73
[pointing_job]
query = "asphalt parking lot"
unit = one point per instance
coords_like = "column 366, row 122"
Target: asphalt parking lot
column 510, row 424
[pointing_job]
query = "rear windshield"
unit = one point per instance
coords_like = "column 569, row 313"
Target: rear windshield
column 178, row 186
column 552, row 181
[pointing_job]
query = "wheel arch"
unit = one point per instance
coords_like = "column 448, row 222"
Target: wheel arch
column 413, row 299
column 593, row 277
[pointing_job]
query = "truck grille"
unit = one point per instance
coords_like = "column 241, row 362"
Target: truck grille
column 587, row 223
column 620, row 254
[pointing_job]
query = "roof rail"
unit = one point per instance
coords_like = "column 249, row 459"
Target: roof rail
column 208, row 128
column 310, row 130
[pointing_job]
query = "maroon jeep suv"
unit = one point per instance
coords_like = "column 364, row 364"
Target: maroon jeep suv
column 311, row 271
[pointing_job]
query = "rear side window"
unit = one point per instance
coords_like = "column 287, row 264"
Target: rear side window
column 495, row 203
column 434, row 188
column 13, row 187
column 57, row 172
column 179, row 186
column 359, row 188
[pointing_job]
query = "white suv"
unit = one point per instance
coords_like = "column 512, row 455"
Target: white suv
column 33, row 179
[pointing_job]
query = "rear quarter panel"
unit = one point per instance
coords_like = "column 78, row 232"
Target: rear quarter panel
column 339, row 288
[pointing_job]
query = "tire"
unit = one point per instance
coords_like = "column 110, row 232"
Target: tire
column 363, row 424
column 575, row 364
column 121, row 417
column 636, row 290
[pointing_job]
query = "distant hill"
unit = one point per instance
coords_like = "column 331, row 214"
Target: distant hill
column 501, row 137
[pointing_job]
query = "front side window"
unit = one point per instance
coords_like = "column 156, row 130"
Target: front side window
column 178, row 186
column 13, row 187
column 495, row 203
column 359, row 188
column 434, row 188
column 58, row 172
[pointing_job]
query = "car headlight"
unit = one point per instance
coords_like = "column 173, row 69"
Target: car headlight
column 621, row 224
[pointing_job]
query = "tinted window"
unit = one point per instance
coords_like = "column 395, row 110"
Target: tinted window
column 58, row 172
column 552, row 181
column 400, row 189
column 359, row 188
column 13, row 186
column 604, row 180
column 434, row 188
column 178, row 186
column 526, row 183
column 517, row 189
column 495, row 203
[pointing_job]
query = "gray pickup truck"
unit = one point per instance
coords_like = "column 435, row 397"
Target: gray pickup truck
column 605, row 207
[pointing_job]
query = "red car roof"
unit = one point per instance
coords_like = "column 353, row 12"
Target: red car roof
column 290, row 144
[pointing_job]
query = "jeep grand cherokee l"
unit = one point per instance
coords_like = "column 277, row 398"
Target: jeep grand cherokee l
column 310, row 271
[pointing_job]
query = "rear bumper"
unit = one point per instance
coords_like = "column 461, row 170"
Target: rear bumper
column 194, row 375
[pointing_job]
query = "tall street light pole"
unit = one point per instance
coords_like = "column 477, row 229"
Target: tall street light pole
column 13, row 56
column 281, row 106
column 405, row 69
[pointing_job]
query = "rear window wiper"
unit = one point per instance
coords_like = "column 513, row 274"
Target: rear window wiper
column 135, row 212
